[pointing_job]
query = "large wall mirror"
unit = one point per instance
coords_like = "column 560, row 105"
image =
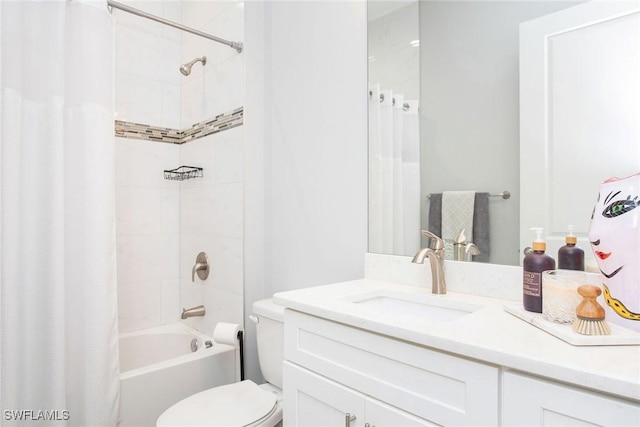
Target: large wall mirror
column 444, row 115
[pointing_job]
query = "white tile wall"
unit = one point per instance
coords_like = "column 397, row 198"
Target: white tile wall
column 162, row 225
column 223, row 86
column 211, row 213
column 138, row 100
column 219, row 85
column 147, row 228
column 148, row 57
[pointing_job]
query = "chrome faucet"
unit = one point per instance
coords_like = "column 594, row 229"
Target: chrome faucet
column 470, row 250
column 463, row 250
column 193, row 312
column 435, row 253
column 459, row 246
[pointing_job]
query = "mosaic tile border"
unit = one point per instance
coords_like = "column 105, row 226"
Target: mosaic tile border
column 201, row 129
column 152, row 133
column 217, row 124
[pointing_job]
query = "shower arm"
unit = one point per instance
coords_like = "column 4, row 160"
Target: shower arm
column 114, row 4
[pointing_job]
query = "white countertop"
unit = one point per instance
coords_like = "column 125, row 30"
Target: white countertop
column 489, row 334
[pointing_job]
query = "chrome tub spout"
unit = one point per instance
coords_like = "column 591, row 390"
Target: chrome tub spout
column 193, row 312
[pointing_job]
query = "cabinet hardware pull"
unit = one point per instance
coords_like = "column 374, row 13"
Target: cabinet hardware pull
column 348, row 418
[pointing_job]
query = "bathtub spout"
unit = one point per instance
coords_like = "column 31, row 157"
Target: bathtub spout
column 192, row 312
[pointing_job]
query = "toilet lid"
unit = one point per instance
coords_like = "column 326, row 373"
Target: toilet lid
column 237, row 404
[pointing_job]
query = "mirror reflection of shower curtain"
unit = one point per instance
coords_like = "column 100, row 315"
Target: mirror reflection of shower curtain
column 394, row 174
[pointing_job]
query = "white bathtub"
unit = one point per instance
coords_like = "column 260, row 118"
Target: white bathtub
column 158, row 369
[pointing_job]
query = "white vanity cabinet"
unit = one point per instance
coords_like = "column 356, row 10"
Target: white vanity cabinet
column 488, row 368
column 532, row 401
column 332, row 370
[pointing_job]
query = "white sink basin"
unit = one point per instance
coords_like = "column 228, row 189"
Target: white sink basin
column 436, row 309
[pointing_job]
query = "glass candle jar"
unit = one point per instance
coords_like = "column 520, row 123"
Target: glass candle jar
column 560, row 293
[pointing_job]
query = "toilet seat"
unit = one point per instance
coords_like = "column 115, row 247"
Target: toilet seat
column 237, row 404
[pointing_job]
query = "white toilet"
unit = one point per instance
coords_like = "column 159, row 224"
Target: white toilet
column 243, row 403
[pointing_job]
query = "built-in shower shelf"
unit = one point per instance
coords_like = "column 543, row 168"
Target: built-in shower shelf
column 183, row 173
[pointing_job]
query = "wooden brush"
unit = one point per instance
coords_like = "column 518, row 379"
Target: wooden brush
column 589, row 313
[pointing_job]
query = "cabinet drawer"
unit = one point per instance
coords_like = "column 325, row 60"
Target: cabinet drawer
column 430, row 384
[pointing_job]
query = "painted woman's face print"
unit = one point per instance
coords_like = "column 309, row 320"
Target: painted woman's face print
column 615, row 239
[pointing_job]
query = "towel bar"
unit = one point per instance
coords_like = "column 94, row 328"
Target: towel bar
column 505, row 195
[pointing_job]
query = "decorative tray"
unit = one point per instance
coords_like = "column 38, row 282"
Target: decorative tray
column 619, row 335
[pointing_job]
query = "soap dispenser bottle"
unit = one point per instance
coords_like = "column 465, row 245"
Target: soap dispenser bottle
column 570, row 257
column 532, row 267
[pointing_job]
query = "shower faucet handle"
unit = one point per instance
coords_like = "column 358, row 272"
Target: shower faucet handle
column 201, row 267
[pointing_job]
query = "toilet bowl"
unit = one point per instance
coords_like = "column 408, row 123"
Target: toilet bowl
column 244, row 403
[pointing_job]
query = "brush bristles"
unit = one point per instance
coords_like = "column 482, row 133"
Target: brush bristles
column 591, row 327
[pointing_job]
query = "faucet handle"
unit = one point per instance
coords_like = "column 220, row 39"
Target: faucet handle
column 201, row 267
column 460, row 237
column 434, row 242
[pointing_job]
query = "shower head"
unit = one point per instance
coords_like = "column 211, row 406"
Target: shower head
column 185, row 69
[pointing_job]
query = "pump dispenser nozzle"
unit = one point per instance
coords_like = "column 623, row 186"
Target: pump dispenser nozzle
column 571, row 239
column 538, row 243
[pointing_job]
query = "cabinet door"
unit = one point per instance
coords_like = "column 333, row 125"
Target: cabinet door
column 536, row 402
column 579, row 109
column 380, row 414
column 312, row 400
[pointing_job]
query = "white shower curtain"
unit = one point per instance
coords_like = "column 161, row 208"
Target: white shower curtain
column 394, row 173
column 58, row 309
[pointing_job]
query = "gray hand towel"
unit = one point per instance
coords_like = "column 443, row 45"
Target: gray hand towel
column 480, row 226
column 435, row 213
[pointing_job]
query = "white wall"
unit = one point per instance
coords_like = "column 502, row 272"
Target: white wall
column 315, row 143
column 255, row 57
column 306, row 147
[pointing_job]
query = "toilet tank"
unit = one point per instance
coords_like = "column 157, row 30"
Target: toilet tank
column 270, row 339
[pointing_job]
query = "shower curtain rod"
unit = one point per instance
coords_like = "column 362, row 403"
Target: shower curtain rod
column 114, row 4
